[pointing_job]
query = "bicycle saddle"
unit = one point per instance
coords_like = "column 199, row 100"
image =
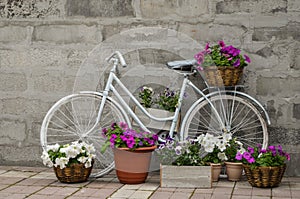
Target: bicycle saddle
column 184, row 65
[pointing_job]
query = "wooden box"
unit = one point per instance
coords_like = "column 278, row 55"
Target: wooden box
column 185, row 176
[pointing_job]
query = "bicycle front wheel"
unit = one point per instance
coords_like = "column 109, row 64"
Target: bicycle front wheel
column 240, row 117
column 74, row 118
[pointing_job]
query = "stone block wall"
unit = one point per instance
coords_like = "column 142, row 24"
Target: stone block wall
column 43, row 45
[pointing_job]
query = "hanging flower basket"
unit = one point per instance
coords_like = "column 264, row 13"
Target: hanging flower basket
column 223, row 76
column 264, row 176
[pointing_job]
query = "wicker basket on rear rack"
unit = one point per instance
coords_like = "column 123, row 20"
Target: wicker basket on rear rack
column 223, row 75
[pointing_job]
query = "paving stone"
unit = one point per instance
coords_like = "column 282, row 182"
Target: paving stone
column 141, row 194
column 123, row 193
column 161, row 194
column 242, row 191
column 37, row 196
column 149, row 186
column 261, row 192
column 180, row 195
column 35, row 182
column 45, row 175
column 102, row 193
column 17, row 174
column 220, row 195
column 9, row 180
column 201, row 196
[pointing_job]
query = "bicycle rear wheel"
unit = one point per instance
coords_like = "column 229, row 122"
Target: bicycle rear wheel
column 239, row 116
column 72, row 118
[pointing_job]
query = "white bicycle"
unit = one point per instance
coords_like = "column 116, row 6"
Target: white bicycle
column 82, row 116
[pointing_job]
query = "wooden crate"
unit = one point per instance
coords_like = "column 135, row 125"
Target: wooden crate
column 185, row 176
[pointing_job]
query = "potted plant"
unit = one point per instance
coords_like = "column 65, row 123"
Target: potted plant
column 159, row 105
column 182, row 165
column 129, row 144
column 215, row 160
column 222, row 64
column 215, row 147
column 264, row 167
column 234, row 167
column 71, row 162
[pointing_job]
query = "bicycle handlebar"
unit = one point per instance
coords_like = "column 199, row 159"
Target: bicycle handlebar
column 119, row 57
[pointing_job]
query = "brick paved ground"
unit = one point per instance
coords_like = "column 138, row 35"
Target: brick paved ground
column 41, row 183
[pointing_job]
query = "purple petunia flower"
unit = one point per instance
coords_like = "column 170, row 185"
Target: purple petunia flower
column 123, row 138
column 247, row 155
column 200, row 68
column 207, row 46
column 238, row 156
column 272, row 148
column 288, row 157
column 113, row 126
column 236, row 63
column 199, row 57
column 247, row 59
column 130, row 142
column 123, row 125
column 155, row 137
column 222, row 44
column 251, row 150
column 263, row 151
column 251, row 160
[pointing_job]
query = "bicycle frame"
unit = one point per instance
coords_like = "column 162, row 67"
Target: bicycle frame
column 110, row 88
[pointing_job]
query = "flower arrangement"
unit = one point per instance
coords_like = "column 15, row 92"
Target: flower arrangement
column 146, row 96
column 120, row 136
column 203, row 150
column 257, row 156
column 167, row 100
column 232, row 148
column 221, row 55
column 180, row 153
column 65, row 155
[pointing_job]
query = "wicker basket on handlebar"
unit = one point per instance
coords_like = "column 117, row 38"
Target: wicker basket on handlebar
column 223, row 75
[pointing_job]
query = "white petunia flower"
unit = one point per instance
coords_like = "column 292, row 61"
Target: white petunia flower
column 227, row 137
column 88, row 164
column 242, row 150
column 90, row 148
column 82, row 159
column 209, row 147
column 239, row 143
column 54, row 147
column 199, row 138
column 222, row 156
column 46, row 159
column 72, row 151
column 61, row 162
column 221, row 145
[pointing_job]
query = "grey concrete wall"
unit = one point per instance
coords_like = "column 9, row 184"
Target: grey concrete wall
column 43, row 44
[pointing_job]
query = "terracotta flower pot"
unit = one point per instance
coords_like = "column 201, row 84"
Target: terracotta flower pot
column 132, row 166
column 216, row 170
column 234, row 170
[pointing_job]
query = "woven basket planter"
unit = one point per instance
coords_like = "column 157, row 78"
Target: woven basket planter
column 264, row 176
column 73, row 174
column 223, row 75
